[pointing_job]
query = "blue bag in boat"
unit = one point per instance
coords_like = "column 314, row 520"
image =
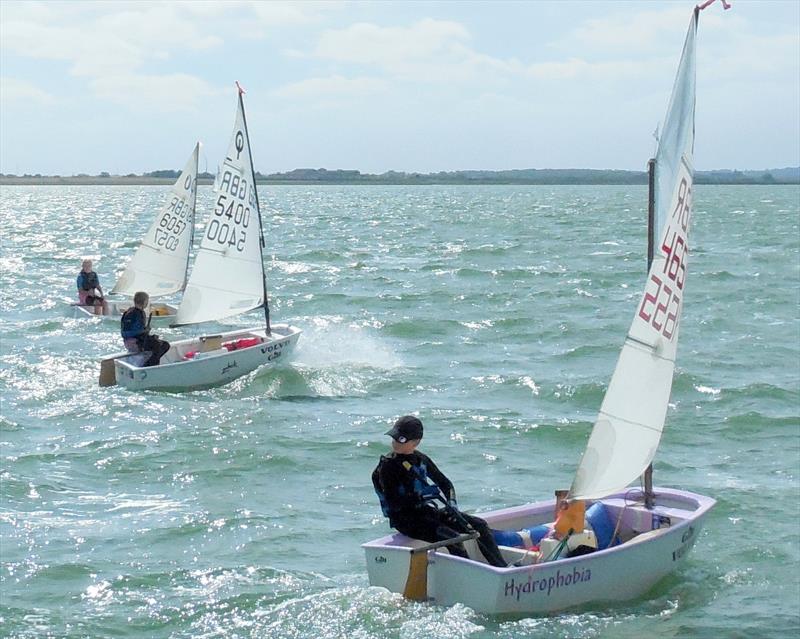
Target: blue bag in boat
column 598, row 518
column 524, row 538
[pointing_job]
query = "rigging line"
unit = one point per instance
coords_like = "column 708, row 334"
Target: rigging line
column 629, row 422
column 651, row 348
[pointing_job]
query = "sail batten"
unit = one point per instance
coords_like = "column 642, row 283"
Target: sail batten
column 228, row 274
column 631, row 419
column 159, row 265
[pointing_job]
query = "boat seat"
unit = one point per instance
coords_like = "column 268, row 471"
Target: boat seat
column 204, row 354
column 138, row 359
column 673, row 513
column 210, row 343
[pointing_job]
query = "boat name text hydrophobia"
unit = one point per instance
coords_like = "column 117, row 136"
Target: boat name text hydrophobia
column 558, row 580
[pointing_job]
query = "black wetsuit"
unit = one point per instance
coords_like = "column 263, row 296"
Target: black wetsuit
column 404, row 482
column 134, row 324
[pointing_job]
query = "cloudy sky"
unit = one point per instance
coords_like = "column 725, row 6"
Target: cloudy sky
column 411, row 86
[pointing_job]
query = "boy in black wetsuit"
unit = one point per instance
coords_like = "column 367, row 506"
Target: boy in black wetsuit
column 407, row 481
column 135, row 330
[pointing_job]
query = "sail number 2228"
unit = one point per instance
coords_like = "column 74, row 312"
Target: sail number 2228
column 661, row 304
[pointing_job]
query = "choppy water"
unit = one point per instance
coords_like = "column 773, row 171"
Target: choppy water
column 496, row 312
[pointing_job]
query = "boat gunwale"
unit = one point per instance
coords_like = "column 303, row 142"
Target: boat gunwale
column 703, row 505
column 120, row 358
column 84, row 309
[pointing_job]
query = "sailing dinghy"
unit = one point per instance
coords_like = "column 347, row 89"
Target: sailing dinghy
column 160, row 265
column 615, row 543
column 227, row 279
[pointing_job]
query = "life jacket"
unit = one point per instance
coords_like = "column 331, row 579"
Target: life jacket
column 88, row 281
column 132, row 323
column 422, row 485
column 376, row 484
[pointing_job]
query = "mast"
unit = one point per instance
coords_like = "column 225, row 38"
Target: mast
column 194, row 216
column 261, row 243
column 649, row 496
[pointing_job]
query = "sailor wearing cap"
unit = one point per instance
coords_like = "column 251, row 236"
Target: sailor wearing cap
column 420, row 500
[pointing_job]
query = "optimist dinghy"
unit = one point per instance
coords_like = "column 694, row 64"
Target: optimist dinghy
column 608, row 543
column 160, row 265
column 227, row 279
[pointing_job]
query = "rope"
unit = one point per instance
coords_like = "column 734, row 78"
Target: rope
column 554, row 555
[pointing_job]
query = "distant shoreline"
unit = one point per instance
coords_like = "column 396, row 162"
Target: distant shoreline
column 306, row 177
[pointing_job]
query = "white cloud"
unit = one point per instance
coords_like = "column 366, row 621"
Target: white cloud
column 433, row 51
column 518, row 76
column 393, row 47
column 89, row 54
column 175, row 92
column 335, row 85
column 12, row 89
column 275, row 13
column 113, row 44
column 118, row 41
column 428, row 51
column 631, row 33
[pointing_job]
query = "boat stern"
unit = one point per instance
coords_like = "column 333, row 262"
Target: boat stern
column 388, row 561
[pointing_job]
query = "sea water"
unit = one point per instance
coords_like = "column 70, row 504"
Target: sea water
column 496, row 313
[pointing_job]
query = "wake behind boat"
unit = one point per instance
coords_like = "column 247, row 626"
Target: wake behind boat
column 603, row 542
column 227, row 279
column 160, row 264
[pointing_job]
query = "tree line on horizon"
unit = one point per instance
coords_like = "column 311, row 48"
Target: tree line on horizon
column 789, row 175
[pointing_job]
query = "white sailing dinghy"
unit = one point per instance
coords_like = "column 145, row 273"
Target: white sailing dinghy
column 626, row 539
column 160, row 265
column 227, row 279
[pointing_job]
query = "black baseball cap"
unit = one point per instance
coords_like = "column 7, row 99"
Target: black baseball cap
column 405, row 429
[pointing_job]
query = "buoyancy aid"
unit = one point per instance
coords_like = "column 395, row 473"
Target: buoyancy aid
column 88, row 281
column 418, row 483
column 133, row 322
column 376, row 484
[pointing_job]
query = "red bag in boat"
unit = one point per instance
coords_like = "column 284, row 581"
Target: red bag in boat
column 245, row 342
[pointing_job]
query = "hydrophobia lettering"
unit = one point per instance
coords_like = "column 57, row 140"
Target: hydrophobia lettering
column 546, row 584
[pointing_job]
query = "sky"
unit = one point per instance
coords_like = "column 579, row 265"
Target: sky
column 129, row 87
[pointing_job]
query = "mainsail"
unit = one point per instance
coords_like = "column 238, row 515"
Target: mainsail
column 628, row 428
column 160, row 263
column 228, row 273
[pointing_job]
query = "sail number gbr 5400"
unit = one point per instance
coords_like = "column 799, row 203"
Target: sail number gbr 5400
column 231, row 212
column 661, row 304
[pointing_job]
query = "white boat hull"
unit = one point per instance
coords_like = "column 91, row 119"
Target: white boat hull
column 162, row 314
column 209, row 368
column 619, row 573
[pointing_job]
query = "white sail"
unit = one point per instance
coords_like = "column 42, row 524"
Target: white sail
column 228, row 276
column 628, row 428
column 217, row 179
column 159, row 265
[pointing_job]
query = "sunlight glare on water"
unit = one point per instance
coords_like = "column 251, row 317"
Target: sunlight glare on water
column 495, row 312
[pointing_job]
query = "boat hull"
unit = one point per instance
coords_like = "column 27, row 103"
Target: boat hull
column 206, row 368
column 619, row 573
column 165, row 317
